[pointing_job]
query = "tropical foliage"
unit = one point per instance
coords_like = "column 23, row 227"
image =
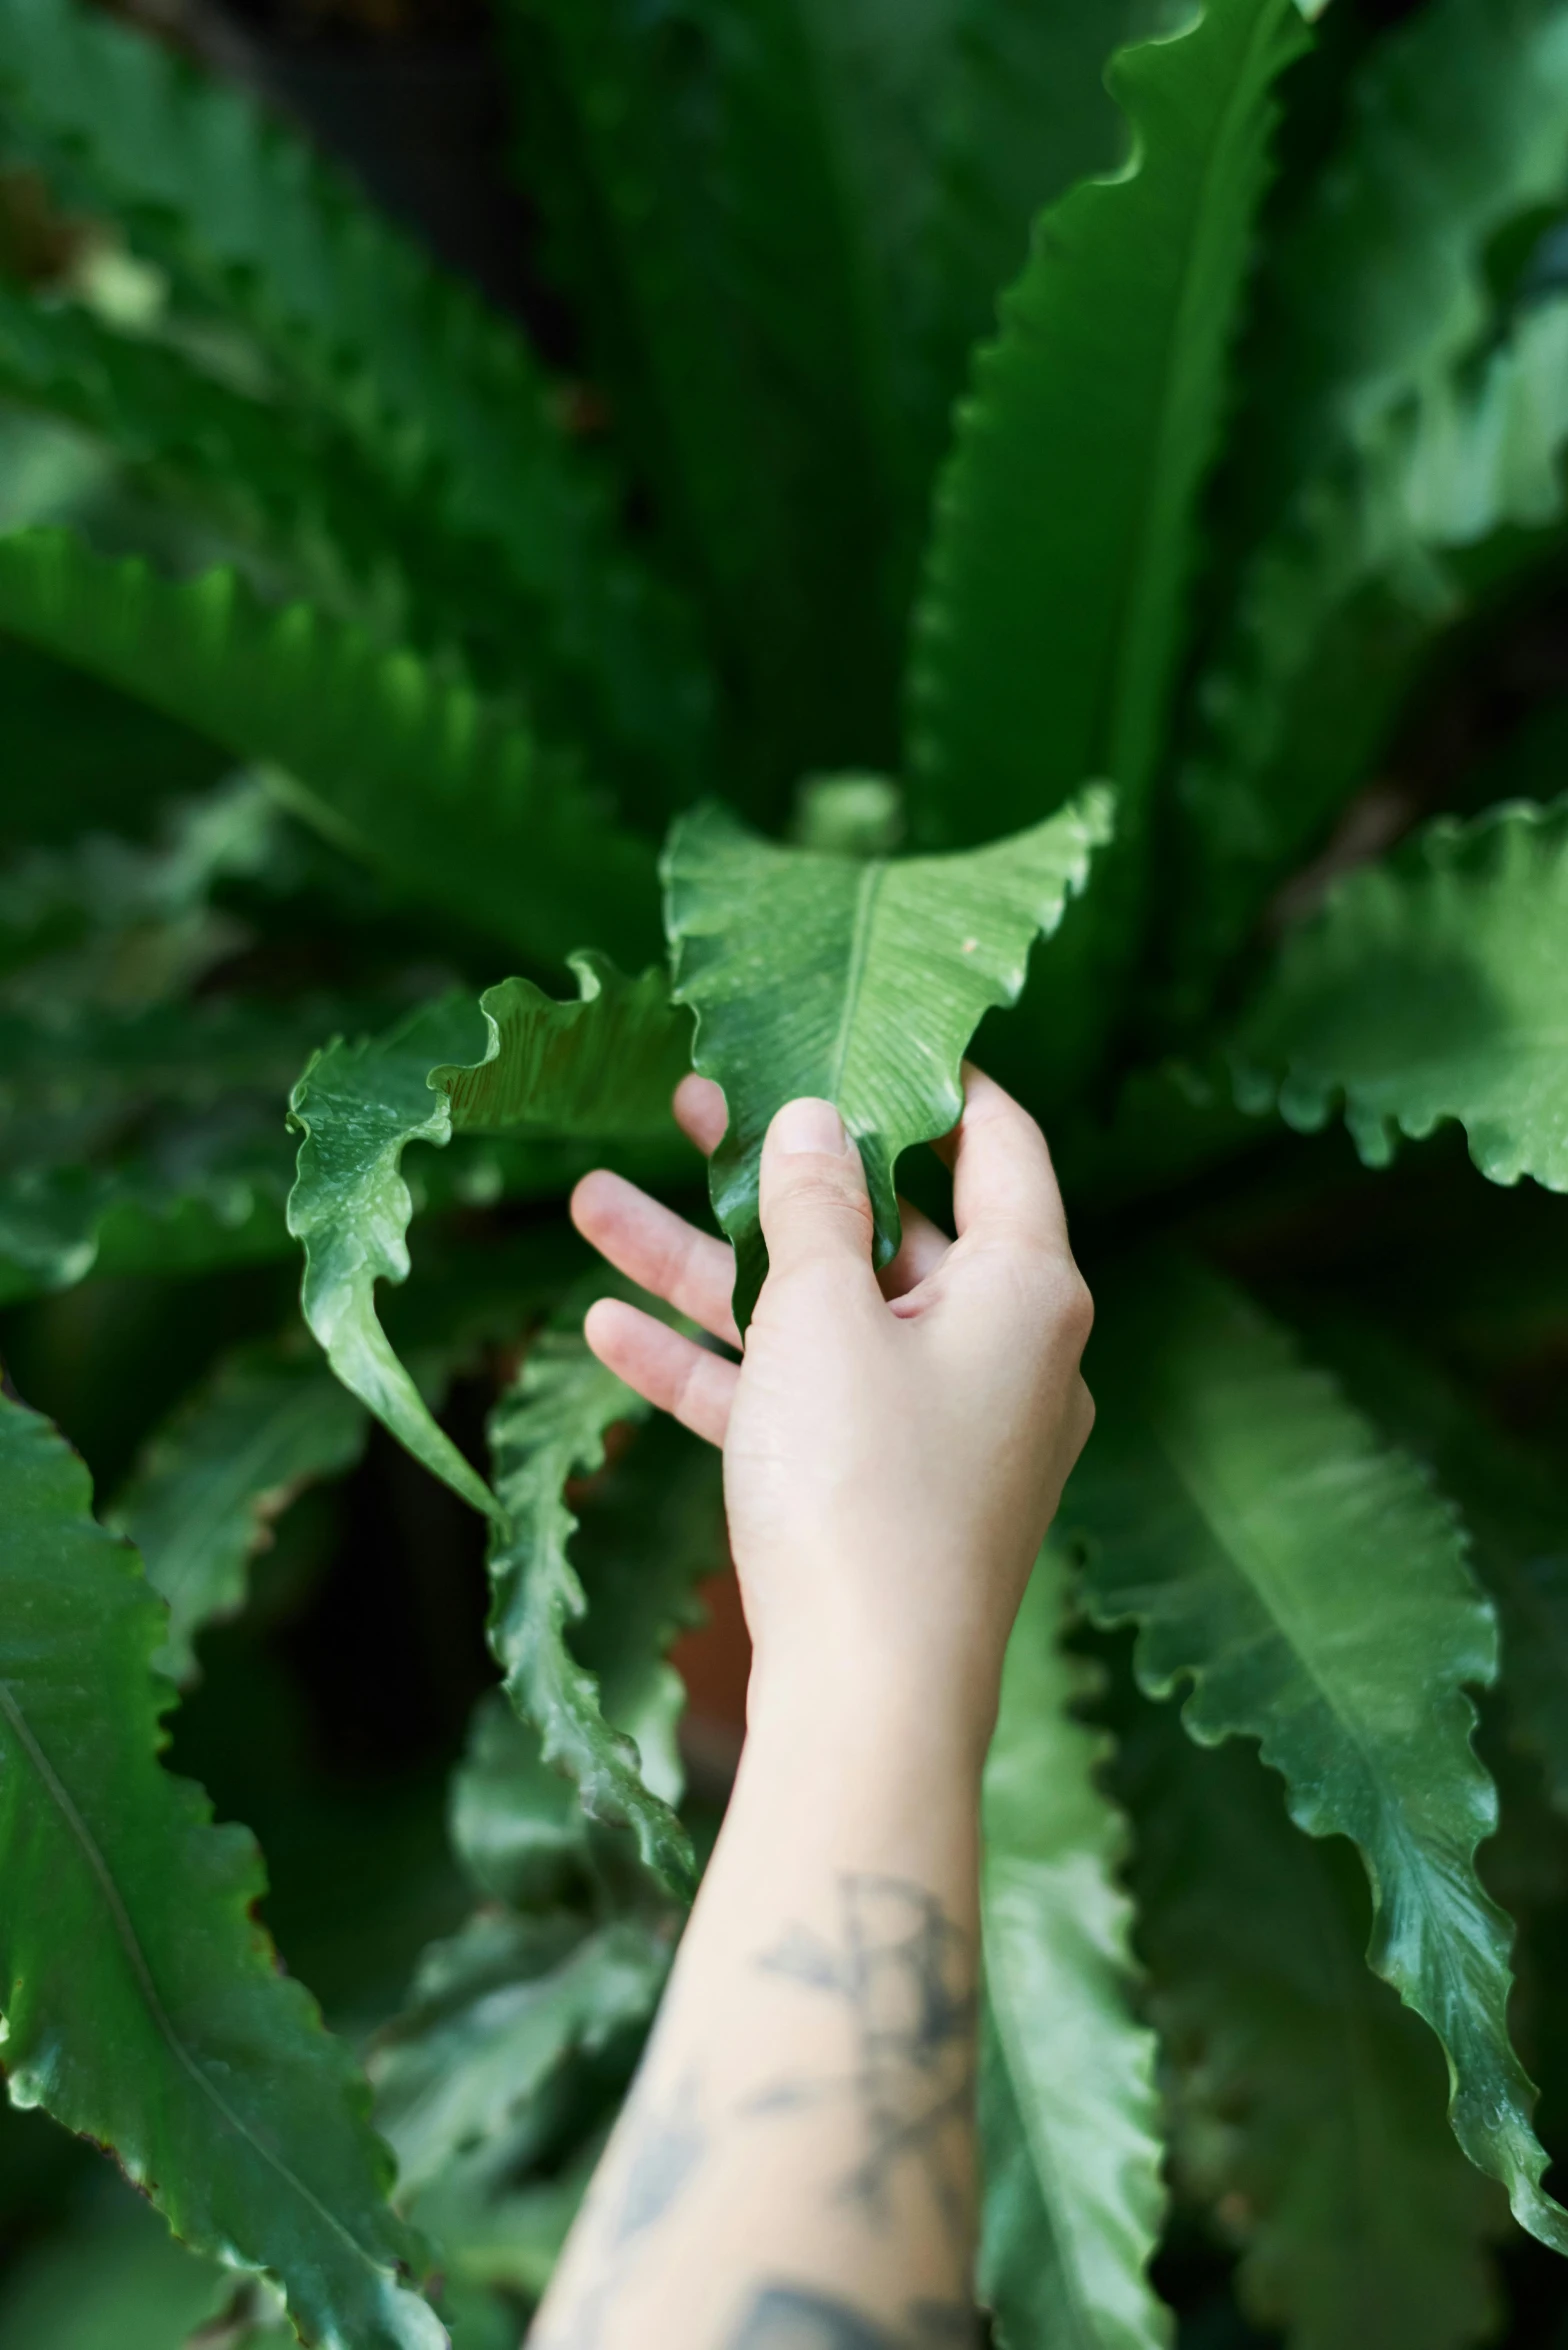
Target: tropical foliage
column 1043, row 529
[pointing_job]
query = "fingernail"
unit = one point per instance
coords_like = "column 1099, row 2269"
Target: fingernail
column 809, row 1125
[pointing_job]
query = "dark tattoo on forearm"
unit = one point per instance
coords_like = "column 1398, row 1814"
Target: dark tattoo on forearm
column 665, row 2145
column 782, row 2318
column 907, row 1975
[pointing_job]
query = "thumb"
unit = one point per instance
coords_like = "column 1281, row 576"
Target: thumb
column 813, row 1200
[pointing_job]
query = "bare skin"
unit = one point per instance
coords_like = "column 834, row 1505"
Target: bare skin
column 795, row 2169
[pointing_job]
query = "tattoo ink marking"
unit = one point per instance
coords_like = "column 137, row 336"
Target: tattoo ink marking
column 664, row 2153
column 666, row 2147
column 907, row 1974
column 782, row 2318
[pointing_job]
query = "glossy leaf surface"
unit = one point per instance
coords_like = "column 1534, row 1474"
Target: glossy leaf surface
column 1315, row 1591
column 141, row 2002
column 1432, row 987
column 1514, row 1506
column 1069, row 2114
column 859, row 980
column 1050, row 622
column 551, row 1428
column 601, row 1067
column 1022, row 112
column 647, row 1532
column 1308, row 2105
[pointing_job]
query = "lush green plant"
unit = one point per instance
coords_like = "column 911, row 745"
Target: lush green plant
column 1206, row 595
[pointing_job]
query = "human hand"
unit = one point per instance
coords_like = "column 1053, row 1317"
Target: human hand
column 894, row 1446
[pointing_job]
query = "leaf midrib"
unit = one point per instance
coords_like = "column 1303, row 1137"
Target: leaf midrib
column 1268, row 1598
column 59, row 1795
column 867, row 891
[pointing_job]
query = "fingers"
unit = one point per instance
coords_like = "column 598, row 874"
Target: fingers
column 669, row 1370
column 1004, row 1186
column 658, row 1250
column 700, row 1112
column 920, row 1251
column 814, row 1205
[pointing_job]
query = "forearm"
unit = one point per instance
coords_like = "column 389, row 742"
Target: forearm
column 795, row 2169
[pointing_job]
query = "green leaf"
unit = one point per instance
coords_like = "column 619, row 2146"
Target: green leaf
column 204, row 1495
column 449, row 794
column 1431, row 987
column 141, row 2002
column 858, row 980
column 1023, row 113
column 121, row 924
column 114, row 2280
column 1069, row 2114
column 602, row 1066
column 551, row 1427
column 151, row 1137
column 1316, row 1593
column 496, row 2011
column 313, row 518
column 651, row 1530
column 209, row 1190
column 1458, row 126
column 516, row 1823
column 1515, row 1507
column 441, row 394
column 1050, row 626
column 1308, row 2104
column 710, row 170
column 1343, row 610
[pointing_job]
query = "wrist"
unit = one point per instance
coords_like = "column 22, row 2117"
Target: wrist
column 837, row 1716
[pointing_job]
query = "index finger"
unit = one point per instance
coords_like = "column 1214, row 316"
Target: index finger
column 1004, row 1185
column 701, row 1112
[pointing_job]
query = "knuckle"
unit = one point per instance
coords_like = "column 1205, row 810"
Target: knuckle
column 1074, row 1308
column 825, row 1192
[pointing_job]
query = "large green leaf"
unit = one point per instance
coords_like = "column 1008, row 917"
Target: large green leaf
column 440, row 393
column 516, row 1062
column 141, row 2002
column 1431, row 987
column 861, row 980
column 496, row 2011
column 1515, row 1507
column 1069, row 2115
column 152, row 1136
column 1050, row 626
column 1024, row 112
column 313, row 518
column 1308, row 2105
column 1342, row 610
column 1458, row 127
column 605, row 1709
column 1315, row 1592
column 269, row 1422
column 451, row 795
